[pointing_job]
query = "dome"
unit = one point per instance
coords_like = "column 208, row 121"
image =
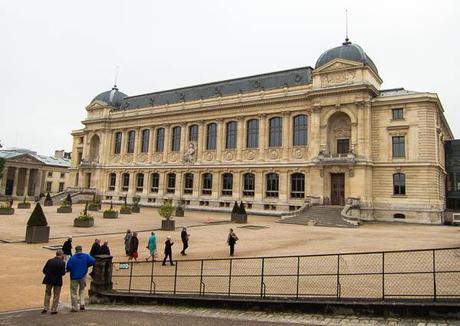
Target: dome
column 113, row 97
column 347, row 51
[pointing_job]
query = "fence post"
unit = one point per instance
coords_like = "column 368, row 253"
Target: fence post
column 262, row 279
column 383, row 275
column 151, row 274
column 130, row 277
column 102, row 275
column 434, row 275
column 230, row 277
column 338, row 277
column 175, row 277
column 298, row 272
column 201, row 275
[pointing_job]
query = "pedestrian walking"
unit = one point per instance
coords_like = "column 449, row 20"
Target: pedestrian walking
column 168, row 250
column 54, row 269
column 152, row 246
column 67, row 248
column 128, row 236
column 184, row 236
column 133, row 247
column 105, row 250
column 231, row 241
column 96, row 247
column 78, row 267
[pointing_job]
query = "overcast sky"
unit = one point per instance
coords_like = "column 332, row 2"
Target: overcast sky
column 57, row 55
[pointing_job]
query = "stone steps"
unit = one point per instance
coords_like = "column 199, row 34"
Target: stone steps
column 321, row 215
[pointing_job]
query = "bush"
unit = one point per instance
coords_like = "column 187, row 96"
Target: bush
column 235, row 208
column 242, row 209
column 69, row 199
column 37, row 218
column 136, row 200
column 82, row 217
column 166, row 209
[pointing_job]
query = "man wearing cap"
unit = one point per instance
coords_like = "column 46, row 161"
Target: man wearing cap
column 67, row 248
column 78, row 267
column 168, row 250
column 54, row 269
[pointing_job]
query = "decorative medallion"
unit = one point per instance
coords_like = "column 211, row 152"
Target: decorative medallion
column 250, row 155
column 209, row 157
column 298, row 154
column 228, row 156
column 127, row 158
column 157, row 157
column 173, row 157
column 274, row 154
column 142, row 158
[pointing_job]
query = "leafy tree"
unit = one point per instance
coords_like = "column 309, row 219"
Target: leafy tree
column 37, row 218
column 166, row 209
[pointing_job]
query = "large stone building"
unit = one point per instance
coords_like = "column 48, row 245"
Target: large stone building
column 320, row 135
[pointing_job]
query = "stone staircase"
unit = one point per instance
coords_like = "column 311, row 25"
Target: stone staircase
column 320, row 216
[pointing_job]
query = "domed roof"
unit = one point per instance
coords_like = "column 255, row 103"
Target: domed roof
column 348, row 51
column 113, row 97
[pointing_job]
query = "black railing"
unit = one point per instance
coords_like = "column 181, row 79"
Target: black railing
column 427, row 274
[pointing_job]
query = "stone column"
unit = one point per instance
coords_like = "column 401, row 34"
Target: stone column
column 26, row 183
column 241, row 145
column 314, row 127
column 151, row 144
column 137, row 144
column 101, row 276
column 162, row 183
column 124, row 141
column 259, row 186
column 166, row 144
column 237, row 188
column 179, row 182
column 15, row 182
column 201, row 140
column 4, row 178
column 183, row 140
column 286, row 135
column 263, row 141
column 283, row 186
column 146, row 189
column 220, row 139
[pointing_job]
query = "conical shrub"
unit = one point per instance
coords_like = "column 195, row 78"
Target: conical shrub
column 37, row 218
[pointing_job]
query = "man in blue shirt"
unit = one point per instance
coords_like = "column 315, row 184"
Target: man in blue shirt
column 78, row 267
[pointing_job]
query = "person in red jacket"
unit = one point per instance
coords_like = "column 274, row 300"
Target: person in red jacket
column 54, row 269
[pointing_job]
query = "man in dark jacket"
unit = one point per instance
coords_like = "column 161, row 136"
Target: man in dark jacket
column 184, row 236
column 168, row 250
column 105, row 249
column 231, row 241
column 133, row 247
column 95, row 248
column 78, row 267
column 54, row 269
column 67, row 249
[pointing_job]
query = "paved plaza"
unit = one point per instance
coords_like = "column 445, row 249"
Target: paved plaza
column 21, row 276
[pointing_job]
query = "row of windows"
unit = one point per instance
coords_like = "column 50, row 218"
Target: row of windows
column 49, row 186
column 271, row 184
column 275, row 130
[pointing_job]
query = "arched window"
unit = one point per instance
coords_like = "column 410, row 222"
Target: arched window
column 112, row 181
column 125, row 185
column 230, row 136
column 140, row 182
column 399, row 184
column 297, row 185
column 207, row 184
column 155, row 182
column 160, row 141
column 171, row 183
column 249, row 184
column 188, row 183
column 275, row 130
column 227, row 184
column 131, row 140
column 211, row 136
column 175, row 141
column 193, row 133
column 145, row 140
column 272, row 185
column 252, row 136
column 117, row 147
column 299, row 136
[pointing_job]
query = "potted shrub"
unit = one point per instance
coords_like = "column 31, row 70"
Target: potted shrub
column 37, row 230
column 240, row 216
column 125, row 208
column 110, row 213
column 66, row 206
column 135, row 207
column 94, row 205
column 166, row 210
column 84, row 220
column 6, row 208
column 179, row 212
column 24, row 204
column 235, row 210
column 48, row 200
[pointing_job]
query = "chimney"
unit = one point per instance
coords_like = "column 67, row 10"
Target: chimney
column 59, row 153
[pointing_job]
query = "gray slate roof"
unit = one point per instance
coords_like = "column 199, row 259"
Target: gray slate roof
column 395, row 92
column 273, row 80
column 113, row 97
column 47, row 160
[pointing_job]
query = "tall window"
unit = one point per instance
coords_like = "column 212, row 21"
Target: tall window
column 211, row 136
column 399, row 184
column 275, row 129
column 117, row 148
column 131, row 140
column 112, row 181
column 252, row 137
column 171, row 183
column 299, row 136
column 249, row 184
column 227, row 184
column 193, row 133
column 140, row 182
column 230, row 136
column 49, row 186
column 175, row 142
column 160, row 141
column 61, row 187
column 207, row 184
column 399, row 146
column 188, row 183
column 272, row 185
column 297, row 185
column 145, row 141
column 125, row 185
column 155, row 182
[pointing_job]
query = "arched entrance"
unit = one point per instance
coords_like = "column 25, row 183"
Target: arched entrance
column 339, row 134
column 94, row 149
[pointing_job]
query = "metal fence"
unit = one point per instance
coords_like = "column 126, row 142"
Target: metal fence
column 432, row 274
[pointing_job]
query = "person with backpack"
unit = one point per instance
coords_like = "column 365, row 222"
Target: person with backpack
column 231, row 241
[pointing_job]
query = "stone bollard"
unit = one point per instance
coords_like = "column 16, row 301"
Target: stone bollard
column 101, row 276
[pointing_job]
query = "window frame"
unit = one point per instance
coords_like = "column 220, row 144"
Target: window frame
column 300, row 130
column 231, row 135
column 397, row 114
column 125, row 181
column 112, row 185
column 227, row 180
column 145, row 138
column 140, row 182
column 171, row 183
column 396, row 146
column 252, row 133
column 188, row 183
column 130, row 144
column 206, row 178
column 249, row 184
column 272, row 186
column 399, row 184
column 275, row 132
column 211, row 136
column 118, row 140
column 193, row 133
column 175, row 138
column 154, row 177
column 297, row 181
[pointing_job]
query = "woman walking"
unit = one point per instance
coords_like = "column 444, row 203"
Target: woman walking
column 133, row 246
column 128, row 236
column 152, row 246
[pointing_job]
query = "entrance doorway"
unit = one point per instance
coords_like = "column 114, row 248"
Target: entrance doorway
column 9, row 187
column 338, row 189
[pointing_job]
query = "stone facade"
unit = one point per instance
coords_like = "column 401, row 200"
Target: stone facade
column 331, row 139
